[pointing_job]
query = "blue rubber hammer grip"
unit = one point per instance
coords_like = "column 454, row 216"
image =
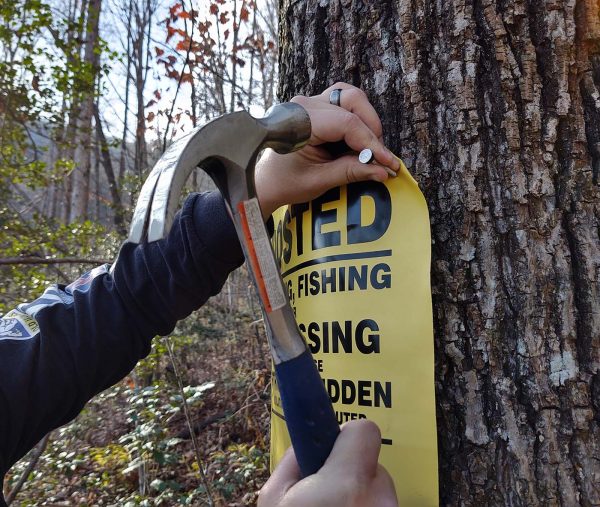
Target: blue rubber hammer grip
column 310, row 418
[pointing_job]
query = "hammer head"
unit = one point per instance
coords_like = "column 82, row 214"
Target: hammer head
column 226, row 148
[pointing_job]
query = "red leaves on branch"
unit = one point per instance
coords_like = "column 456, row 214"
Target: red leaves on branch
column 203, row 27
column 202, row 48
column 173, row 74
column 177, row 11
column 159, row 51
column 172, row 31
column 173, row 10
column 191, row 116
column 150, row 117
column 183, row 45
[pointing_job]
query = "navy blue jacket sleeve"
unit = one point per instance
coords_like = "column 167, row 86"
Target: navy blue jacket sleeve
column 60, row 350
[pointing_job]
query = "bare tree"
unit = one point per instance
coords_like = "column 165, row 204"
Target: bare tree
column 142, row 16
column 65, row 135
column 83, row 152
column 128, row 55
column 113, row 186
column 222, row 44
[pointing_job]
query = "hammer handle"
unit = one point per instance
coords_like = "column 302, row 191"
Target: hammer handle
column 309, row 415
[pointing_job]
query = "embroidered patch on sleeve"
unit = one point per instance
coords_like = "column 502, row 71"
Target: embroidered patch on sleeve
column 51, row 296
column 17, row 325
column 20, row 324
column 84, row 281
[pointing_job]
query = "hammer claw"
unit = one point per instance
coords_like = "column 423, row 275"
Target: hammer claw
column 137, row 230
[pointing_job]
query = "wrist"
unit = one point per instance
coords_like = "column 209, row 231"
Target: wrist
column 264, row 190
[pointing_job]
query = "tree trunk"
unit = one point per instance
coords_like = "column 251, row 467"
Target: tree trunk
column 113, row 187
column 83, row 151
column 234, row 49
column 141, row 38
column 123, row 152
column 140, row 131
column 494, row 106
column 68, row 141
column 139, row 47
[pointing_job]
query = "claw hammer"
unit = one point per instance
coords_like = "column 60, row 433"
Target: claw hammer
column 227, row 149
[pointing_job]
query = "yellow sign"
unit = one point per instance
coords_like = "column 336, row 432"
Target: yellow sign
column 355, row 263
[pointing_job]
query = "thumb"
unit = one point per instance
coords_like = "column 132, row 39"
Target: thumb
column 286, row 474
column 356, row 450
column 348, row 169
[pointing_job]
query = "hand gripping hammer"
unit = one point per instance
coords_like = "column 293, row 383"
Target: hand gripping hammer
column 227, row 148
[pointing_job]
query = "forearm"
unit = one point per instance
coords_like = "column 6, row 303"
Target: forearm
column 92, row 332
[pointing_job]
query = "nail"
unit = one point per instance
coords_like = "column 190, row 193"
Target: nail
column 366, row 157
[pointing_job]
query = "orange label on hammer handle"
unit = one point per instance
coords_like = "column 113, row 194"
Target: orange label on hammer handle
column 260, row 253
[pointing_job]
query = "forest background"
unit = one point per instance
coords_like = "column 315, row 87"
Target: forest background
column 494, row 105
column 91, row 93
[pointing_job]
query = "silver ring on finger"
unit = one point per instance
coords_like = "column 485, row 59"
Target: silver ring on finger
column 335, row 96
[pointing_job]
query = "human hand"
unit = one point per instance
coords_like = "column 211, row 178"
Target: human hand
column 307, row 173
column 351, row 476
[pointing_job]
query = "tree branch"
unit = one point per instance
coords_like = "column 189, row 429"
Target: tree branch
column 34, row 459
column 8, row 261
column 190, row 425
column 110, row 174
column 179, row 81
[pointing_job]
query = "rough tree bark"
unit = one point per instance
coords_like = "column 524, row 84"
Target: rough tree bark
column 494, row 105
